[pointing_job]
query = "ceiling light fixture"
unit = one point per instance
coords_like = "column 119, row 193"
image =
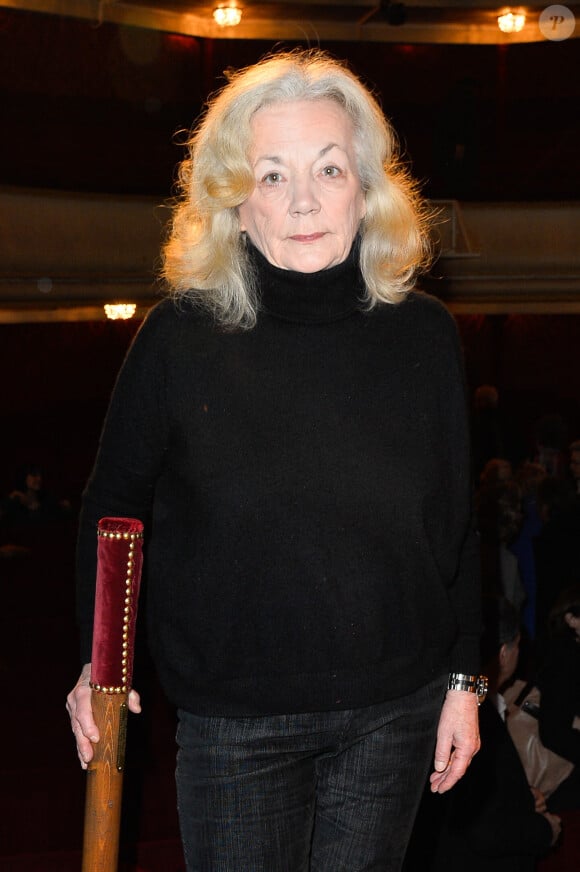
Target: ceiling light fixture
column 227, row 15
column 119, row 311
column 511, row 22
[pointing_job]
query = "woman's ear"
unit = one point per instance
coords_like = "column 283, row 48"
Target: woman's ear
column 363, row 210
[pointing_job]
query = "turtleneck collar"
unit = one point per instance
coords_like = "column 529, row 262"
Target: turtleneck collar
column 323, row 296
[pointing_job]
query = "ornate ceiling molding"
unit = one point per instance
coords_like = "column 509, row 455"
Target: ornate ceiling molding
column 312, row 21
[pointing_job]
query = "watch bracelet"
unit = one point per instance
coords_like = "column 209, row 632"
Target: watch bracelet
column 476, row 684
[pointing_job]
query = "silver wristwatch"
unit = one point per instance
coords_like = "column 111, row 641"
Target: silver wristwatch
column 471, row 683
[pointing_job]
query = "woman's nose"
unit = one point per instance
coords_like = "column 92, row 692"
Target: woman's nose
column 303, row 196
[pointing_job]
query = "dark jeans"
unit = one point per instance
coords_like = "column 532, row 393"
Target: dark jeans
column 325, row 792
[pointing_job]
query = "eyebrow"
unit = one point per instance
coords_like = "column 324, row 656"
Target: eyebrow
column 273, row 158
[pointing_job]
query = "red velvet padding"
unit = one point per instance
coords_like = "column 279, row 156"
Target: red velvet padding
column 119, row 563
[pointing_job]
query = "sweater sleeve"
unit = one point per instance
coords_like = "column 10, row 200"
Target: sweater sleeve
column 465, row 589
column 465, row 655
column 131, row 449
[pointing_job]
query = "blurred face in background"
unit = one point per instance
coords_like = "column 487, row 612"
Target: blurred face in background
column 509, row 656
column 33, row 481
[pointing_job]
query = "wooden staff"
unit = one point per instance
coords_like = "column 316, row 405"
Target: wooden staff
column 119, row 562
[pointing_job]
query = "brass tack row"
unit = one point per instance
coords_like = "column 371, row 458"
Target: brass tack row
column 131, row 538
column 105, row 534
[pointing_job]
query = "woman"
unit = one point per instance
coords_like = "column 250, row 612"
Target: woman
column 291, row 428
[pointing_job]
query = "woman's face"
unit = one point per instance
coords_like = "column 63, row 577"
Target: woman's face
column 308, row 203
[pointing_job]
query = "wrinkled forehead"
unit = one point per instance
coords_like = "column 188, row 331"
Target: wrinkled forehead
column 314, row 124
column 293, row 108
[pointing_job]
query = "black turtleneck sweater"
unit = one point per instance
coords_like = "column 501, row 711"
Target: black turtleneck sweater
column 305, row 491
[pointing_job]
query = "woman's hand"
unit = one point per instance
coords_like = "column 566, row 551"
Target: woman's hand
column 539, row 800
column 457, row 739
column 78, row 705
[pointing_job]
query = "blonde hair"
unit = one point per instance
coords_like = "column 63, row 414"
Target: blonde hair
column 205, row 254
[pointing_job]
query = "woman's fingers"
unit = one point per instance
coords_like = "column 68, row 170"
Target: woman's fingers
column 78, row 705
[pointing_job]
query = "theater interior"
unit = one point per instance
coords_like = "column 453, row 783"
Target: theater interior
column 97, row 100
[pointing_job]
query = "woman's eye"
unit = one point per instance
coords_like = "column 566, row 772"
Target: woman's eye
column 272, row 178
column 331, row 172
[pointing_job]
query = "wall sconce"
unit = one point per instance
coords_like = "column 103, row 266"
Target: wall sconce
column 119, row 311
column 511, row 22
column 227, row 16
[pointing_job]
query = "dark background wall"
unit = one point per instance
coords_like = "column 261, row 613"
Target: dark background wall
column 100, row 107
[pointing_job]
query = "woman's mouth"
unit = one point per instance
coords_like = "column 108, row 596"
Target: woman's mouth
column 307, row 237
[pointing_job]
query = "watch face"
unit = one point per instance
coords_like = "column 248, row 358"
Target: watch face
column 481, row 686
